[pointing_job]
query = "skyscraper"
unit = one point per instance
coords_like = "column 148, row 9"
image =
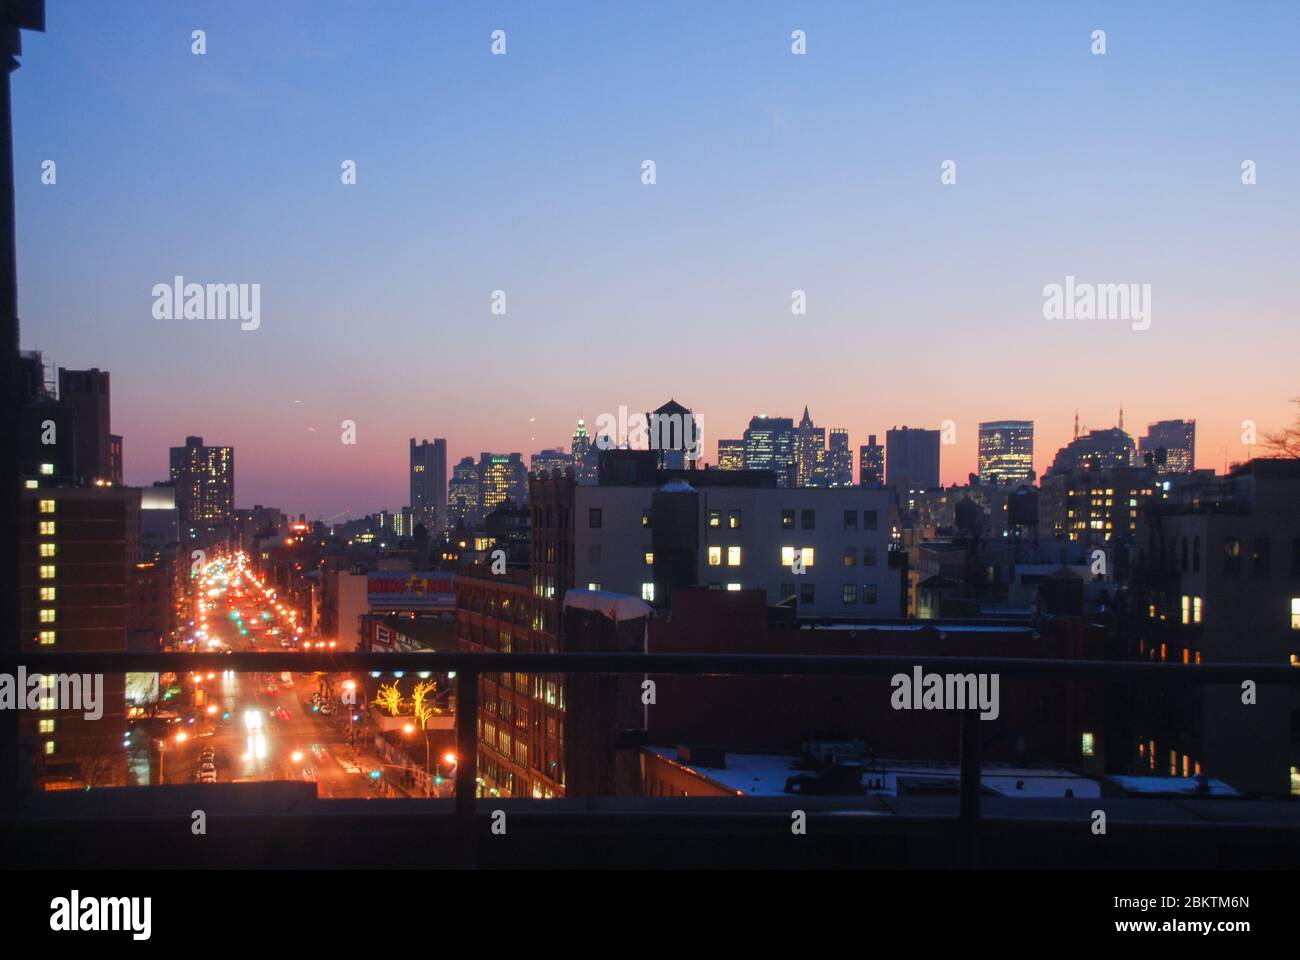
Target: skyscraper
column 463, row 494
column 769, row 445
column 87, row 392
column 840, row 471
column 1095, row 450
column 429, row 484
column 1006, row 453
column 546, row 461
column 204, row 478
column 1171, row 444
column 731, row 454
column 911, row 461
column 809, row 453
column 501, row 477
column 585, row 461
column 871, row 463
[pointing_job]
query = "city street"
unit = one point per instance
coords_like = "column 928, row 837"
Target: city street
column 259, row 726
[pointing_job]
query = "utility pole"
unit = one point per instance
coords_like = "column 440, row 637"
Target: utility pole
column 15, row 761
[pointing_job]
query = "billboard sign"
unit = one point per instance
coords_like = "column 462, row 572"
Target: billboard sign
column 418, row 590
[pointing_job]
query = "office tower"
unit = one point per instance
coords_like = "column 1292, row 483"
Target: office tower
column 1171, row 444
column 204, row 478
column 87, row 392
column 115, row 459
column 840, row 455
column 429, row 484
column 78, row 546
column 769, row 445
column 47, row 432
column 731, row 454
column 1095, row 450
column 871, row 463
column 541, row 464
column 911, row 462
column 1006, row 453
column 501, row 477
column 809, row 453
column 463, row 494
column 586, row 460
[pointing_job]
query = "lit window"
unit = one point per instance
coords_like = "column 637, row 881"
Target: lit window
column 47, row 528
column 787, row 556
column 45, row 638
column 1196, row 609
column 45, row 726
column 1187, row 609
column 1089, row 744
column 648, row 592
column 594, row 586
column 715, row 518
column 47, row 571
column 850, row 593
column 47, row 506
column 47, row 469
column 47, row 549
column 49, row 747
column 733, row 556
column 47, row 616
column 733, row 519
column 31, row 484
column 649, row 558
column 733, row 586
column 1295, row 613
column 715, row 556
column 47, row 593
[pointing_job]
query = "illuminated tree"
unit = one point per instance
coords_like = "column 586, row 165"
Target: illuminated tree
column 390, row 699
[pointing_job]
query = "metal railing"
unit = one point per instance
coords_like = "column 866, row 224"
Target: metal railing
column 469, row 666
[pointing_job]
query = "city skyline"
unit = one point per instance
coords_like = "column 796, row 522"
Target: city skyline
column 522, row 173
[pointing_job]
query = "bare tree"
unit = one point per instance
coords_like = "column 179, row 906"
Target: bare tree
column 1285, row 443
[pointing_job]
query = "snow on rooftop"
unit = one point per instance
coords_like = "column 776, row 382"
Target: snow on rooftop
column 764, row 775
column 1182, row 786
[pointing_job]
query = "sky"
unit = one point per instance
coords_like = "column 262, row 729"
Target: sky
column 774, row 172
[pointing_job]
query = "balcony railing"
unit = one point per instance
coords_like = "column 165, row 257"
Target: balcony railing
column 469, row 666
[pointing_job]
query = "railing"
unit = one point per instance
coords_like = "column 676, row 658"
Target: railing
column 469, row 666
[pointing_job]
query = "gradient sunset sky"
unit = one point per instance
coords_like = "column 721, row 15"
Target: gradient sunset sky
column 775, row 173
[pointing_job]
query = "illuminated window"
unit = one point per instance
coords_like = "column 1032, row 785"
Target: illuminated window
column 47, row 506
column 49, row 747
column 31, row 484
column 47, row 469
column 47, row 549
column 715, row 556
column 1295, row 613
column 850, row 554
column 47, row 571
column 47, row 616
column 47, row 593
column 1089, row 744
column 733, row 556
column 787, row 556
column 1196, row 609
column 47, row 528
column 733, row 519
column 45, row 638
column 851, row 593
column 807, row 556
column 733, row 586
column 1187, row 609
column 45, row 726
column 648, row 592
column 649, row 558
column 715, row 518
column 594, row 586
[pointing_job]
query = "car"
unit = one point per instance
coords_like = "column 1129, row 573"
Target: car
column 318, row 751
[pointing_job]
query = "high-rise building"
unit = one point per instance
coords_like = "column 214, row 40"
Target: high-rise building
column 1006, row 453
column 501, row 477
column 87, row 392
column 429, row 484
column 911, row 462
column 731, row 454
column 586, row 462
column 871, row 463
column 204, row 478
column 78, row 546
column 463, row 494
column 840, row 454
column 1171, row 444
column 543, row 463
column 1095, row 450
column 770, row 445
column 809, row 453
